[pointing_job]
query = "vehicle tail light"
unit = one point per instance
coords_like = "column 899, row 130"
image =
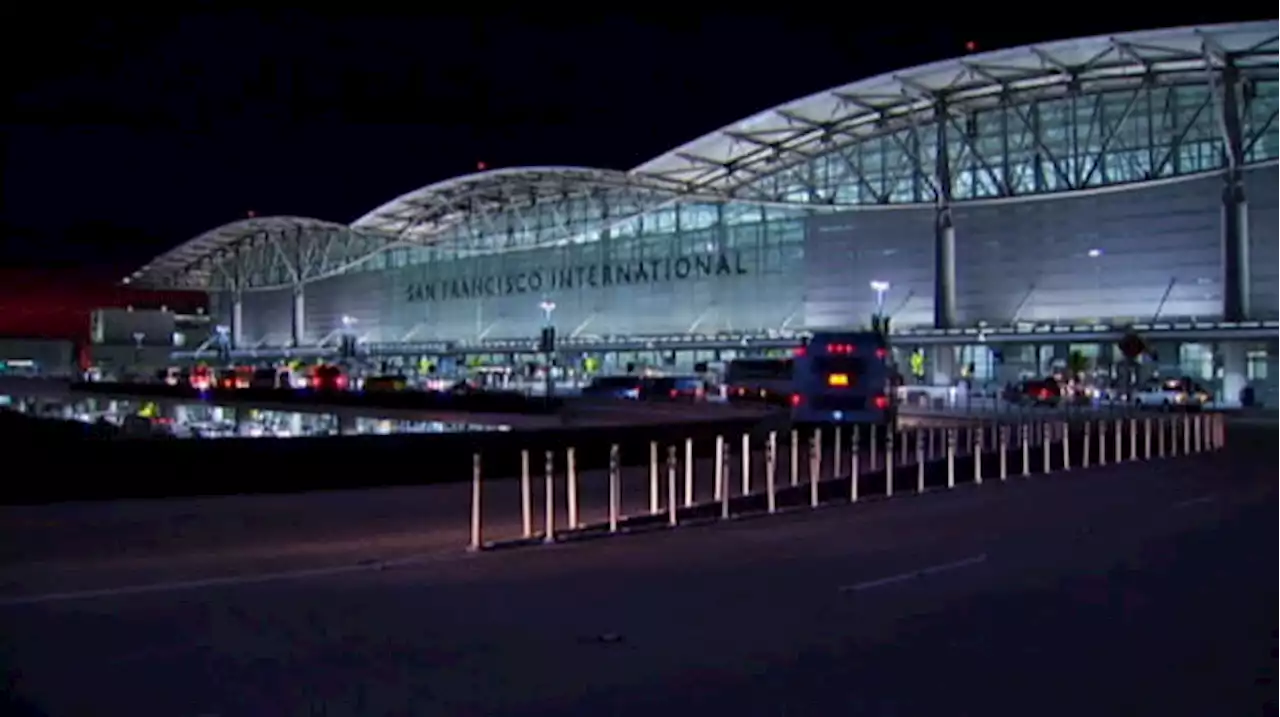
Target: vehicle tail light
column 674, row 393
column 882, row 353
column 795, row 399
column 341, row 381
column 1044, row 393
column 800, row 351
column 316, row 382
column 880, row 402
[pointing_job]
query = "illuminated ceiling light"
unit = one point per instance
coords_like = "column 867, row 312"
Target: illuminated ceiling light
column 1095, row 253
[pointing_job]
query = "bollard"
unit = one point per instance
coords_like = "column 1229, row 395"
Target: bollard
column 815, row 445
column 1066, row 446
column 615, row 488
column 770, row 469
column 978, row 438
column 1102, row 443
column 855, row 465
column 672, row 503
column 919, row 460
column 1118, row 455
column 1003, row 441
column 476, row 514
column 571, row 487
column 1199, row 436
column 933, row 443
column 1024, row 437
column 1088, row 435
column 653, row 477
column 549, row 509
column 1186, row 435
column 1219, row 431
column 835, row 452
column 795, row 458
column 724, row 480
column 1160, row 430
column 717, row 473
column 888, row 464
column 746, row 464
column 872, row 456
column 1046, row 444
column 526, row 495
column 905, row 440
column 1146, row 438
column 688, row 472
column 951, row 458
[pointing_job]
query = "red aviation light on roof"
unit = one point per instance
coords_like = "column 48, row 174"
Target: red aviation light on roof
column 970, row 46
column 481, row 166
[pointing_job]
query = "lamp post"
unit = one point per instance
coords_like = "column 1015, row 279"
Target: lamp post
column 881, row 288
column 548, row 344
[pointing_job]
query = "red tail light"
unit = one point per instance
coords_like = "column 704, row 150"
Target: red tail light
column 1044, row 393
column 795, row 399
column 799, row 351
column 882, row 353
column 880, row 402
column 674, row 393
column 341, row 381
column 316, row 382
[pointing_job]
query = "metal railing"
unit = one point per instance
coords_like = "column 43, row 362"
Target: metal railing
column 769, row 472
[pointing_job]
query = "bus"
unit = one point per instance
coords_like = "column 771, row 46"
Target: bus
column 844, row 377
column 759, row 380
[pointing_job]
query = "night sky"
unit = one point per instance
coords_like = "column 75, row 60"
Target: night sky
column 126, row 134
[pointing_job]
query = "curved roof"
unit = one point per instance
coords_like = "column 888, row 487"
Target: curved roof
column 741, row 152
column 188, row 257
column 437, row 206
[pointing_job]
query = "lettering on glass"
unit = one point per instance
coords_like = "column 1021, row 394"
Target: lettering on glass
column 540, row 280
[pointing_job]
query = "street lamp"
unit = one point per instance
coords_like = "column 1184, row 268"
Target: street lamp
column 548, row 343
column 881, row 288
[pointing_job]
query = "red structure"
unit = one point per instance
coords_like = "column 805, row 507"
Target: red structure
column 56, row 304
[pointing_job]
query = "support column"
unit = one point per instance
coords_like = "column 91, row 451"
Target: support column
column 299, row 316
column 944, row 234
column 1235, row 207
column 237, row 319
column 1234, row 375
column 942, row 366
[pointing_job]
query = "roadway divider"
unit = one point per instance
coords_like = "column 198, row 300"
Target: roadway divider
column 700, row 479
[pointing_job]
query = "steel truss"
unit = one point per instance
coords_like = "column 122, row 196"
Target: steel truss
column 1035, row 120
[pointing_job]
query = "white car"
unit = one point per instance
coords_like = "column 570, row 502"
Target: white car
column 1170, row 393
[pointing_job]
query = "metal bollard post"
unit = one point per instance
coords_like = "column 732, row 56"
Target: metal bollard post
column 672, row 503
column 549, row 509
column 653, row 478
column 615, row 488
column 874, row 450
column 919, row 460
column 526, row 495
column 724, row 481
column 905, row 439
column 795, row 458
column 1146, row 438
column 1118, row 430
column 835, row 452
column 1088, row 436
column 718, row 472
column 746, row 464
column 1024, row 436
column 979, row 437
column 888, row 464
column 770, row 469
column 951, row 458
column 476, row 495
column 855, row 465
column 1046, row 445
column 1186, row 435
column 571, row 487
column 1133, row 438
column 1066, row 446
column 815, row 445
column 688, row 472
column 1160, row 431
column 1196, row 424
column 1102, row 443
column 1003, row 441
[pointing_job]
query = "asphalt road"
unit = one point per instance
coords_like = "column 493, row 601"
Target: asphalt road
column 1129, row 590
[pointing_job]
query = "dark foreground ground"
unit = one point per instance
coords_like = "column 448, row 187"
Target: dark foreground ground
column 1130, row 590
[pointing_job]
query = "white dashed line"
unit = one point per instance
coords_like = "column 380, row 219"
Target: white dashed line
column 922, row 572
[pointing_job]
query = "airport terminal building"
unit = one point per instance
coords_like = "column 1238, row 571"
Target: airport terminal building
column 1017, row 204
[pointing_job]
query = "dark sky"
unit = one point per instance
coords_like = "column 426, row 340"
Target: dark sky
column 126, row 134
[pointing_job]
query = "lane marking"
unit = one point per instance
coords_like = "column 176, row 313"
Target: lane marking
column 225, row 581
column 1194, row 501
column 912, row 575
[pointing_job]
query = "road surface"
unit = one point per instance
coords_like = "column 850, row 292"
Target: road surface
column 1128, row 590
